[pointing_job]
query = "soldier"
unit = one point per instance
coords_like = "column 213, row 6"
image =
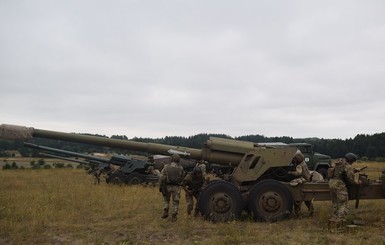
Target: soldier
column 302, row 174
column 193, row 184
column 95, row 174
column 151, row 170
column 202, row 165
column 170, row 186
column 341, row 177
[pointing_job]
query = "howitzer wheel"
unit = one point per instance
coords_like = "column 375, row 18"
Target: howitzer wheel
column 220, row 201
column 115, row 179
column 323, row 172
column 134, row 179
column 270, row 200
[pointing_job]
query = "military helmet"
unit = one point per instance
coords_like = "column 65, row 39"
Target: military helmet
column 197, row 171
column 175, row 158
column 299, row 156
column 351, row 157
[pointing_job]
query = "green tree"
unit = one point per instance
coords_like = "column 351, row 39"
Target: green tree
column 14, row 165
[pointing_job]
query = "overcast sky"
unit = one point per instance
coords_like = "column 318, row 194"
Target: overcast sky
column 179, row 68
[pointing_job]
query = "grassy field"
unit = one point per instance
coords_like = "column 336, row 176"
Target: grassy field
column 25, row 162
column 63, row 206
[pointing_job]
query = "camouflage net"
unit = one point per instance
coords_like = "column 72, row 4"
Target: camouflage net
column 13, row 132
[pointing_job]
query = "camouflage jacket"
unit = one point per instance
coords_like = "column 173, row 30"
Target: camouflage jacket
column 343, row 175
column 172, row 174
column 301, row 170
column 193, row 184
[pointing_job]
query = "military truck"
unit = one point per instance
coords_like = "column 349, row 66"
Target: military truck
column 314, row 160
column 259, row 183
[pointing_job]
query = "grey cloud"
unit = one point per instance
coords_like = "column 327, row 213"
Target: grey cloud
column 157, row 68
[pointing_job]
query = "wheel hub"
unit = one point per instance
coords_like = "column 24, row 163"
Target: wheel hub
column 221, row 203
column 271, row 202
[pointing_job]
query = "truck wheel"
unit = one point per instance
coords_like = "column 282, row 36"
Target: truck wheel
column 270, row 200
column 220, row 201
column 323, row 172
column 115, row 178
column 117, row 181
column 134, row 179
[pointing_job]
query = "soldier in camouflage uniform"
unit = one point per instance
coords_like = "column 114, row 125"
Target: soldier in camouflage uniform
column 170, row 186
column 302, row 174
column 341, row 177
column 193, row 184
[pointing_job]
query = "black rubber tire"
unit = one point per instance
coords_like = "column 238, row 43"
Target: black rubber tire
column 134, row 179
column 270, row 201
column 323, row 172
column 116, row 181
column 220, row 201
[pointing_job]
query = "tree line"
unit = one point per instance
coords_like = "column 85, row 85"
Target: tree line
column 370, row 147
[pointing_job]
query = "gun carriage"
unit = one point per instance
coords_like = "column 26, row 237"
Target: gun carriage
column 259, row 182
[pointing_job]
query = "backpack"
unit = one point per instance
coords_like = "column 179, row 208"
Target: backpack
column 174, row 175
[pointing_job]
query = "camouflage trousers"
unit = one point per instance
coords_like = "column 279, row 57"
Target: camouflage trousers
column 174, row 192
column 340, row 203
column 190, row 201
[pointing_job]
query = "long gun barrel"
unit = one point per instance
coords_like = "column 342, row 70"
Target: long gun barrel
column 116, row 160
column 68, row 159
column 215, row 150
column 64, row 152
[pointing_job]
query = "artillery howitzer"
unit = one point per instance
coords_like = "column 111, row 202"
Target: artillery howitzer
column 259, row 182
column 131, row 170
column 96, row 169
column 92, row 162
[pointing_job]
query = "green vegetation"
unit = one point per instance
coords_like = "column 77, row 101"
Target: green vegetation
column 63, row 206
column 33, row 163
column 370, row 147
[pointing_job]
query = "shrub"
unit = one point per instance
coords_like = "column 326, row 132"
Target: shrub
column 379, row 159
column 59, row 165
column 41, row 162
column 14, row 165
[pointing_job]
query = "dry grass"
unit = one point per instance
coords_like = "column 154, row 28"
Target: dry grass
column 63, row 206
column 25, row 162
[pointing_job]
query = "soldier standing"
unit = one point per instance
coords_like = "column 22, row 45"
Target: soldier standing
column 341, row 177
column 193, row 184
column 170, row 186
column 302, row 174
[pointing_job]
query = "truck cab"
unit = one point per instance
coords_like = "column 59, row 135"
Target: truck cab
column 314, row 160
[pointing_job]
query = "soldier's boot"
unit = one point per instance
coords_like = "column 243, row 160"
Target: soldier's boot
column 335, row 224
column 297, row 209
column 173, row 218
column 188, row 212
column 165, row 213
column 311, row 210
column 196, row 213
